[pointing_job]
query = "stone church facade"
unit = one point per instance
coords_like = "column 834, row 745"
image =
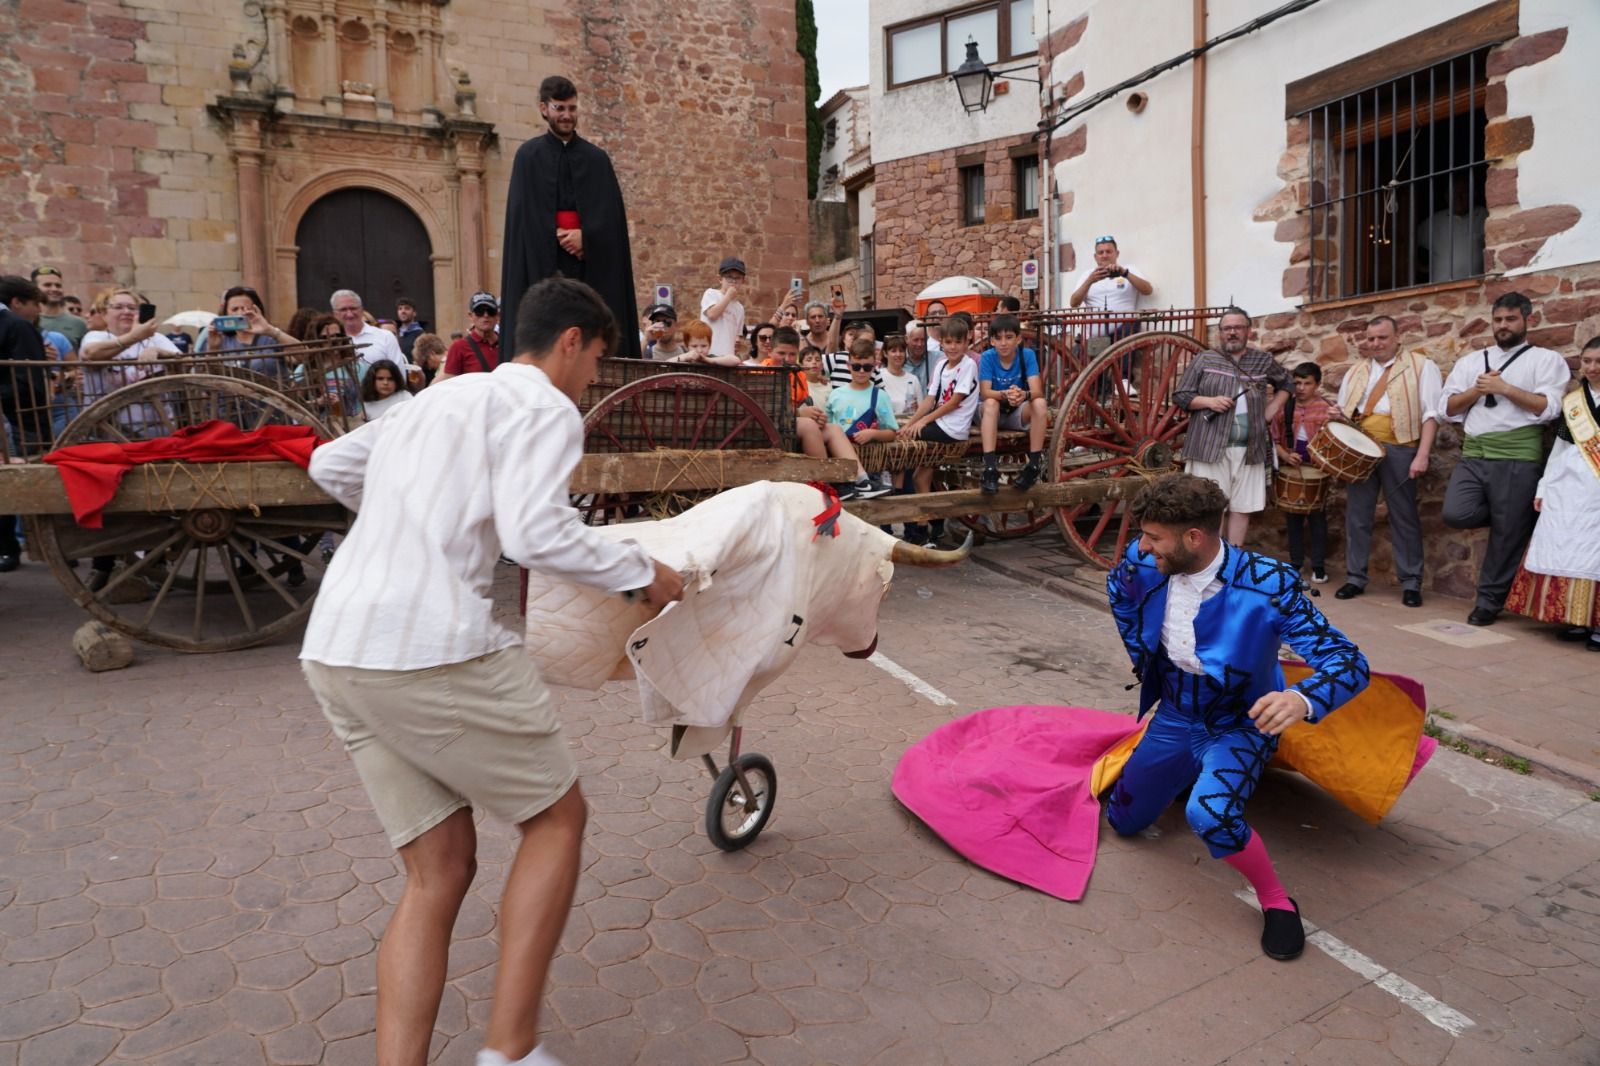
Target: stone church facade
column 183, row 146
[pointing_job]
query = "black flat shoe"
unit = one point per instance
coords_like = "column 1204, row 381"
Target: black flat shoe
column 1593, row 645
column 1283, row 935
column 1482, row 616
column 1411, row 598
column 1348, row 591
column 1573, row 634
column 9, row 563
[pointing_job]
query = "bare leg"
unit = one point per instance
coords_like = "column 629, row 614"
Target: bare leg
column 839, row 447
column 533, row 911
column 413, row 957
column 989, row 430
column 809, row 434
column 1037, row 418
column 923, row 479
column 1238, row 528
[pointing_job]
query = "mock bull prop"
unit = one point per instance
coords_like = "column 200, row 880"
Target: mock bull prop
column 768, row 568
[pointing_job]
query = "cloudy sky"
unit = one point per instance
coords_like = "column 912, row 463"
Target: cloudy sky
column 841, row 44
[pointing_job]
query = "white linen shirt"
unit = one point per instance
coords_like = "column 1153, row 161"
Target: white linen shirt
column 1537, row 370
column 1185, row 594
column 1430, row 384
column 473, row 467
column 380, row 344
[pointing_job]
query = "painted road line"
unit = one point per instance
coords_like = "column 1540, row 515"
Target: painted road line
column 912, row 681
column 1442, row 1015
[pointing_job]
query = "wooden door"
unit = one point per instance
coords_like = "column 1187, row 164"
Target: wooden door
column 367, row 241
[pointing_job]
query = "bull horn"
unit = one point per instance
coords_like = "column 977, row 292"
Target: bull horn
column 917, row 555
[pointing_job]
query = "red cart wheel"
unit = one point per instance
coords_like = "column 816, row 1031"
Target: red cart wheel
column 672, row 410
column 999, row 525
column 1117, row 420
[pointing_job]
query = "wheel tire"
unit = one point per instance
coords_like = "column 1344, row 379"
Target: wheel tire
column 725, row 801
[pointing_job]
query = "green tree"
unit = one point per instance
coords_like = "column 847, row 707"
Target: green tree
column 805, row 18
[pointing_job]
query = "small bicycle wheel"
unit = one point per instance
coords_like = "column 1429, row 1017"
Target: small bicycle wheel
column 734, row 820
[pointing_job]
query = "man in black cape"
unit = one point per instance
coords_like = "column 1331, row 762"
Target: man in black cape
column 564, row 215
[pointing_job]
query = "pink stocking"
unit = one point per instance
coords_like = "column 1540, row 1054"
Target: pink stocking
column 1253, row 862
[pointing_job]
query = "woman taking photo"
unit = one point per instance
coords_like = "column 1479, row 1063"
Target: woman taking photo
column 241, row 301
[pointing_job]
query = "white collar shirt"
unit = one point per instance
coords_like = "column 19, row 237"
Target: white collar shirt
column 380, row 344
column 468, row 470
column 1430, row 386
column 1537, row 370
column 1185, row 594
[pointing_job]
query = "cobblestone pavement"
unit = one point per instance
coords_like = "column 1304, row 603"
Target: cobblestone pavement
column 190, row 873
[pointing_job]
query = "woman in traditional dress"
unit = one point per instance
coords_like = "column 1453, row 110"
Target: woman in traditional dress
column 1559, row 576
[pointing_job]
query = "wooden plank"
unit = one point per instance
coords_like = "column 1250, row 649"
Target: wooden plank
column 1486, row 25
column 159, row 487
column 915, row 508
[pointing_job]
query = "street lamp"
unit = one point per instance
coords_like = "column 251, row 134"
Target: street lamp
column 975, row 81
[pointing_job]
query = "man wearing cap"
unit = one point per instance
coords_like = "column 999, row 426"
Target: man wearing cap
column 1112, row 288
column 721, row 310
column 565, row 216
column 55, row 317
column 479, row 351
column 659, row 320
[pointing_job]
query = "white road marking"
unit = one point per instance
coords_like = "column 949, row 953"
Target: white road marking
column 1442, row 1015
column 912, row 681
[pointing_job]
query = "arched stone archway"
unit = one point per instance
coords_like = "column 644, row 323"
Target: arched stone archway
column 369, row 241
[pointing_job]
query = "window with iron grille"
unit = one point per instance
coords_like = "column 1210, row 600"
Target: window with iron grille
column 972, row 211
column 1397, row 175
column 830, row 133
column 1025, row 183
column 869, row 289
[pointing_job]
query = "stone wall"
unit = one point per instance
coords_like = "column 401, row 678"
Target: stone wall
column 1445, row 325
column 919, row 236
column 113, row 168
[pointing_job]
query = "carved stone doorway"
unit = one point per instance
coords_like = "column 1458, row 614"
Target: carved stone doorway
column 370, row 242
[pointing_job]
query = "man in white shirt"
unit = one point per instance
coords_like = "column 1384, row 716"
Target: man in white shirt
column 380, row 343
column 721, row 310
column 1112, row 288
column 1501, row 396
column 1394, row 399
column 436, row 701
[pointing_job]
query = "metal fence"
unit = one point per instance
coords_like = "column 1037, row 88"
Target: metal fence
column 55, row 403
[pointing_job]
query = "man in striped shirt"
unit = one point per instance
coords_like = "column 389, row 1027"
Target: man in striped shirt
column 435, row 700
column 1232, row 392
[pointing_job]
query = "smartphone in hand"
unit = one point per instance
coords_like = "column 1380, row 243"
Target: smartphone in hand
column 147, row 312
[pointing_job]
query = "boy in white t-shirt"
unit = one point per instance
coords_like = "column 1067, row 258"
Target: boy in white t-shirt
column 945, row 415
column 721, row 310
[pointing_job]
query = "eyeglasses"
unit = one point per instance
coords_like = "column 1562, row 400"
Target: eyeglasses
column 122, row 307
column 860, row 367
column 486, row 312
column 1233, row 329
column 763, row 338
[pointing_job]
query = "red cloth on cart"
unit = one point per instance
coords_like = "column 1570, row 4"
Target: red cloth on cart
column 91, row 472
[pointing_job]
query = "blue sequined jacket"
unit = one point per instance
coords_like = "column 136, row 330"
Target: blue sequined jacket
column 1261, row 605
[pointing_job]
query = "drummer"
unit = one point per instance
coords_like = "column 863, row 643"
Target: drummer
column 1292, row 432
column 1392, row 399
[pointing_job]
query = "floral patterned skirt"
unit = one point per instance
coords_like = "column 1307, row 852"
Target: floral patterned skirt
column 1563, row 600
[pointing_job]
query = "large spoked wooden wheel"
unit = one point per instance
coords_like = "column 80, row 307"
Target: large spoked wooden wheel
column 206, row 579
column 1118, row 420
column 669, row 411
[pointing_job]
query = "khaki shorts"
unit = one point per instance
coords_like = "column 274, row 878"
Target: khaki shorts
column 1245, row 485
column 429, row 742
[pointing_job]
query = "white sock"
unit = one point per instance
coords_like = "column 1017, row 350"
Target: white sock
column 537, row 1057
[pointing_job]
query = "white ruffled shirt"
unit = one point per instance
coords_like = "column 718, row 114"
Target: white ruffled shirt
column 1185, row 594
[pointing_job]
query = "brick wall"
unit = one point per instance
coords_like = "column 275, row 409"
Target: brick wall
column 112, row 168
column 919, row 237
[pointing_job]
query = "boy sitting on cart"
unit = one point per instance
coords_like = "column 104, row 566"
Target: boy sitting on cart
column 1011, row 390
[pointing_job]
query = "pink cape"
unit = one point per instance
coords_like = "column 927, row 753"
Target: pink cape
column 1009, row 789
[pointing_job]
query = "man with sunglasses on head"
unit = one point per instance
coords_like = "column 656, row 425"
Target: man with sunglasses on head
column 479, row 351
column 1112, row 288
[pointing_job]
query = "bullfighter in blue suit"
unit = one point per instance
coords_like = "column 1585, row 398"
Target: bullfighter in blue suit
column 1202, row 621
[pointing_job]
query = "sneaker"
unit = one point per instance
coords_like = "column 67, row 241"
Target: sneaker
column 1319, row 577
column 327, row 554
column 990, row 482
column 846, row 492
column 867, row 489
column 1027, row 478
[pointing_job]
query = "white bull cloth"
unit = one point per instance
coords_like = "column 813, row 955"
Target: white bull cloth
column 759, row 585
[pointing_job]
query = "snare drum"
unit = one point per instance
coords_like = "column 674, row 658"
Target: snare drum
column 1300, row 489
column 1345, row 453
